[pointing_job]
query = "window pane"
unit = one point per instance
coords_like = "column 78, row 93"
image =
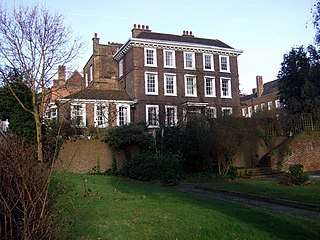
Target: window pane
column 189, row 60
column 170, row 116
column 149, row 58
column 190, row 85
column 151, row 84
column 170, row 84
column 152, row 116
column 207, row 61
column 209, row 86
column 122, row 115
column 169, row 58
column 224, row 63
column 225, row 87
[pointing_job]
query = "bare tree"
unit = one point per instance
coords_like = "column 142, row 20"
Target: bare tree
column 35, row 42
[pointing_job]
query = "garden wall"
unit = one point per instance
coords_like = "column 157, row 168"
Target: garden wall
column 251, row 153
column 81, row 155
column 303, row 148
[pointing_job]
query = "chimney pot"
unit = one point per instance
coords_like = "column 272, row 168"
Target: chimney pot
column 143, row 27
column 147, row 27
column 138, row 26
column 190, row 33
column 184, row 32
column 134, row 26
column 95, row 35
column 187, row 32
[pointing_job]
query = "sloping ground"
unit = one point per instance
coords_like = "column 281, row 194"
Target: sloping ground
column 302, row 148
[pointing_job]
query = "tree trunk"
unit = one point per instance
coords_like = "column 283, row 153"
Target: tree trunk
column 39, row 137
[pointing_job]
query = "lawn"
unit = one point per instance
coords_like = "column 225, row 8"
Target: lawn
column 270, row 188
column 104, row 207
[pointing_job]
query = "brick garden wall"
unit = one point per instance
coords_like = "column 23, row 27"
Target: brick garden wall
column 82, row 155
column 303, row 148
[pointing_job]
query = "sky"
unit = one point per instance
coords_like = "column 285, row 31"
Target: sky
column 264, row 30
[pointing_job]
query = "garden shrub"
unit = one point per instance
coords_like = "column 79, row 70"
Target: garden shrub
column 152, row 167
column 295, row 176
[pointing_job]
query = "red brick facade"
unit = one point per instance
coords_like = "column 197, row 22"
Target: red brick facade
column 264, row 97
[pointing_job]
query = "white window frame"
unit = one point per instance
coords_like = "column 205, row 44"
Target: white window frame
column 226, row 108
column 250, row 111
column 277, row 103
column 229, row 93
column 244, row 112
column 91, row 73
column 209, row 114
column 194, row 94
column 155, row 83
column 256, row 108
column 263, row 106
column 228, row 63
column 213, row 86
column 83, row 114
column 175, row 117
column 156, row 125
column 105, row 113
column 174, row 84
column 173, row 58
column 270, row 105
column 193, row 60
column 121, row 68
column 154, row 56
column 127, row 116
column 204, row 62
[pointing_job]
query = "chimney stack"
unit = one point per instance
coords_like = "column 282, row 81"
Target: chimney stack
column 95, row 40
column 137, row 29
column 61, row 73
column 187, row 33
column 259, row 85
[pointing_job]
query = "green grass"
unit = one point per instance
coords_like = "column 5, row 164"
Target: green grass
column 270, row 188
column 104, row 207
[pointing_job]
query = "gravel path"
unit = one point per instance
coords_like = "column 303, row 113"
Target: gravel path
column 311, row 212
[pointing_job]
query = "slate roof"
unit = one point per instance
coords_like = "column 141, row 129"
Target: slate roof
column 269, row 87
column 97, row 94
column 186, row 39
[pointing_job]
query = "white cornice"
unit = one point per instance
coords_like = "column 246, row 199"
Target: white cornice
column 172, row 45
column 95, row 101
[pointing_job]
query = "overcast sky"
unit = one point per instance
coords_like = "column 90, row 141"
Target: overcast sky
column 264, row 30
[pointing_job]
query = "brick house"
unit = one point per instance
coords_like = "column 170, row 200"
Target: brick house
column 158, row 78
column 264, row 97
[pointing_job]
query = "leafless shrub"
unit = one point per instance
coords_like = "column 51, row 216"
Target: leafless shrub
column 25, row 210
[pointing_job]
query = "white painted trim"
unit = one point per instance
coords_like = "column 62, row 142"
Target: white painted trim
column 173, row 58
column 175, row 115
column 229, row 88
column 193, row 67
column 214, row 86
column 174, row 84
column 228, row 63
column 178, row 46
column 212, row 62
column 154, row 57
column 156, row 83
column 194, row 85
column 157, row 116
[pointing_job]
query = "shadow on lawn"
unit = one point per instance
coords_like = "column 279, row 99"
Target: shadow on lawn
column 274, row 224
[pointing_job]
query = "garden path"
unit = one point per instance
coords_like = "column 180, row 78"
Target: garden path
column 307, row 211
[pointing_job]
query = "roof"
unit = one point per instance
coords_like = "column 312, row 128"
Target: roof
column 98, row 94
column 268, row 88
column 76, row 79
column 186, row 39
